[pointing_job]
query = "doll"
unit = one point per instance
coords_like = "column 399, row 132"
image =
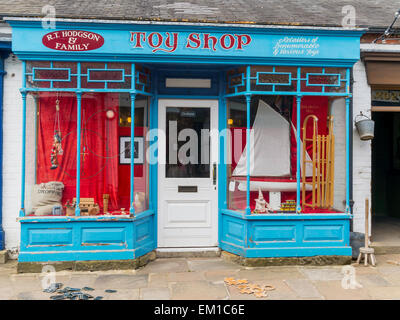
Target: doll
column 55, row 150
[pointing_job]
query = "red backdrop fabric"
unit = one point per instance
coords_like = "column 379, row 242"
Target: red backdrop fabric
column 101, row 172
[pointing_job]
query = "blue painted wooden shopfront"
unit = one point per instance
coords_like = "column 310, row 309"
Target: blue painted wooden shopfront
column 190, row 51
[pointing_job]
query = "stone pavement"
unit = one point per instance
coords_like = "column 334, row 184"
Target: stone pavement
column 203, row 279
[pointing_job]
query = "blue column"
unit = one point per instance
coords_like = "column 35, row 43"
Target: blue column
column 78, row 150
column 349, row 126
column 298, row 157
column 22, row 210
column 132, row 196
column 248, row 102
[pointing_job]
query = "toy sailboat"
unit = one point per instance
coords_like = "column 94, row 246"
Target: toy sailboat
column 270, row 167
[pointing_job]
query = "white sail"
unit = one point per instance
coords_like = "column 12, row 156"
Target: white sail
column 269, row 147
column 270, row 153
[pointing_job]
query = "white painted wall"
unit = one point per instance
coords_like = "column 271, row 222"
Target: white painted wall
column 338, row 111
column 12, row 139
column 361, row 149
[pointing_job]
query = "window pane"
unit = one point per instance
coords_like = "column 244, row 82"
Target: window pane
column 105, row 153
column 188, row 142
column 51, row 153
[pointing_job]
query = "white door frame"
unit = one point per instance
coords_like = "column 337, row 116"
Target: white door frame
column 201, row 227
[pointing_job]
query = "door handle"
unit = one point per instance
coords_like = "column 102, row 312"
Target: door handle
column 214, row 174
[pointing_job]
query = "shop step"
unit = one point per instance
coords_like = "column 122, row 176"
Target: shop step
column 207, row 252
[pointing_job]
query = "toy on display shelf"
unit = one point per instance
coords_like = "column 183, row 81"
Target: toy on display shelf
column 87, row 206
column 262, row 206
column 106, row 198
column 70, row 208
column 289, row 205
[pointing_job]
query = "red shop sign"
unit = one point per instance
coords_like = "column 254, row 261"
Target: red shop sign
column 73, row 40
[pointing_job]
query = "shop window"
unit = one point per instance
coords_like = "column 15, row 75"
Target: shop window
column 104, row 154
column 273, row 154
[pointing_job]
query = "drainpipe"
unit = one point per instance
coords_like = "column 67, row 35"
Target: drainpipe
column 351, row 147
column 2, row 74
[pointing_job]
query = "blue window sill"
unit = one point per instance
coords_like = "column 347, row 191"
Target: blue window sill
column 287, row 216
column 35, row 219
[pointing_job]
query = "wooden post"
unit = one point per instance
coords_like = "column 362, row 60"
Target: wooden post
column 365, row 251
column 366, row 222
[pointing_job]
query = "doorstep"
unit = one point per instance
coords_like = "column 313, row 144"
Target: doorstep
column 3, row 256
column 203, row 252
column 385, row 247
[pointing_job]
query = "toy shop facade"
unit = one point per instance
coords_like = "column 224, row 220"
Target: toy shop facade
column 240, row 139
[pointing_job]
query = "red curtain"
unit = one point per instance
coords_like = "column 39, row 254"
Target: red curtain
column 66, row 171
column 99, row 151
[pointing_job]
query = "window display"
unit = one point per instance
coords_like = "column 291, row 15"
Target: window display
column 273, row 154
column 104, row 180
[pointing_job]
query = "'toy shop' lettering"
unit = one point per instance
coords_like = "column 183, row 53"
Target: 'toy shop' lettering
column 169, row 41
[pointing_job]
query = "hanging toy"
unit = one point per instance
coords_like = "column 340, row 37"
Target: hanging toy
column 57, row 147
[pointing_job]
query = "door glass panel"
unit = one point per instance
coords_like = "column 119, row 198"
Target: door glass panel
column 188, row 142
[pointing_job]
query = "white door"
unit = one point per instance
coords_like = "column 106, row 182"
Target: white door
column 187, row 173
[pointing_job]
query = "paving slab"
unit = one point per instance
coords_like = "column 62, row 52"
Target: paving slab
column 372, row 280
column 7, row 293
column 389, row 270
column 28, row 282
column 165, row 265
column 77, row 281
column 34, row 295
column 211, row 264
column 220, row 275
column 185, row 276
column 5, row 281
column 121, row 294
column 323, row 274
column 303, row 288
column 269, row 273
column 195, row 290
column 158, row 280
column 333, row 290
column 384, row 293
column 361, row 269
column 121, row 281
column 155, row 293
column 281, row 292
